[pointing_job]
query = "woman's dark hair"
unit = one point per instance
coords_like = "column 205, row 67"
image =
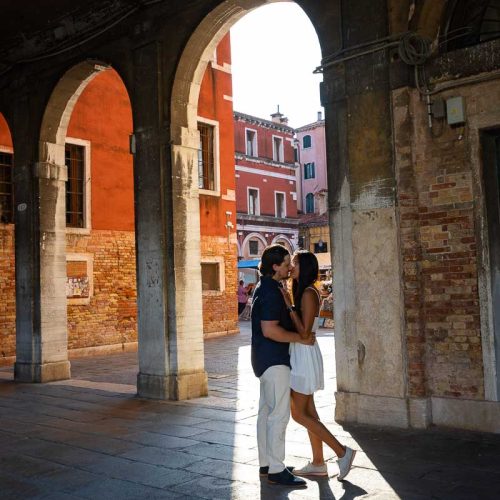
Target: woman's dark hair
column 308, row 274
column 273, row 254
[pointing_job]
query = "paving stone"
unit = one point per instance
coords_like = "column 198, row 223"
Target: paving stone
column 107, row 488
column 149, row 475
column 160, row 456
column 223, row 452
column 160, row 440
column 90, row 437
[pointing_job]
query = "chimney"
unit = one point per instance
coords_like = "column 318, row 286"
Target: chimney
column 320, row 116
column 278, row 117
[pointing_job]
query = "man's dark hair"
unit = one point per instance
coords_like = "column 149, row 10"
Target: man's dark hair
column 273, row 254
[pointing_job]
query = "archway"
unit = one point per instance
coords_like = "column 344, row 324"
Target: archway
column 48, row 359
column 7, row 258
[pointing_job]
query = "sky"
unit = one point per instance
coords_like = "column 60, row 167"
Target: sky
column 274, row 50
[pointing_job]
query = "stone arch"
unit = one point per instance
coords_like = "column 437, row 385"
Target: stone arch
column 7, row 260
column 247, row 239
column 49, row 360
column 184, row 141
column 288, row 243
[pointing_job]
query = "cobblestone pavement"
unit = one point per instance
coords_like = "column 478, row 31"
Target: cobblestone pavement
column 90, row 437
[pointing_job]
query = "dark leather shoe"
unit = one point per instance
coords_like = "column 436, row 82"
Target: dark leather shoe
column 286, row 478
column 264, row 471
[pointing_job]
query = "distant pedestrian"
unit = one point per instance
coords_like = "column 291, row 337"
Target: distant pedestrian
column 307, row 367
column 242, row 297
column 271, row 335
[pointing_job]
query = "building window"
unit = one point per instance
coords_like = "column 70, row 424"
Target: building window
column 6, row 188
column 210, row 277
column 75, row 186
column 280, row 204
column 278, row 148
column 253, row 247
column 306, row 142
column 206, row 157
column 310, row 203
column 251, row 142
column 253, row 202
column 309, row 171
column 320, row 247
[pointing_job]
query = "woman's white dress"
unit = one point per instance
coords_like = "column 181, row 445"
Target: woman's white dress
column 307, row 375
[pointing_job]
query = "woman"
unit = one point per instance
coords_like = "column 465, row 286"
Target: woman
column 307, row 367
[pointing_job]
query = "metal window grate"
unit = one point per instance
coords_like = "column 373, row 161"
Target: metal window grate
column 6, row 188
column 75, row 186
column 206, row 160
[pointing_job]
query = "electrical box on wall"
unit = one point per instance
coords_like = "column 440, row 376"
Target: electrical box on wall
column 455, row 110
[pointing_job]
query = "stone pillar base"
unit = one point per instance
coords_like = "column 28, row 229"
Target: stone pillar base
column 175, row 387
column 41, row 372
column 371, row 410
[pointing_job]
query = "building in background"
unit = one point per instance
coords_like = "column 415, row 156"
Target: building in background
column 314, row 232
column 100, row 233
column 266, row 185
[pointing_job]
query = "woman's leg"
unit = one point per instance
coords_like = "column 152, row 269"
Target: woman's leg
column 303, row 414
column 316, row 443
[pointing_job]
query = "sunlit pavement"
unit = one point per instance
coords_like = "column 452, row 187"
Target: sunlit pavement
column 90, row 437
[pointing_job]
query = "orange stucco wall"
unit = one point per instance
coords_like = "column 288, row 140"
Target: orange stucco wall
column 5, row 138
column 215, row 104
column 103, row 116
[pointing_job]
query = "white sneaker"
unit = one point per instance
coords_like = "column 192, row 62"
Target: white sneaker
column 345, row 463
column 312, row 470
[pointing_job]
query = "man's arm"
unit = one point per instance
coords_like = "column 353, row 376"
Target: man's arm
column 272, row 330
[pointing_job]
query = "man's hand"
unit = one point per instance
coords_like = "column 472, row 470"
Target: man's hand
column 308, row 341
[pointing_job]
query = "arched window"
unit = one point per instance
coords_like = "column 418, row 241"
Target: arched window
column 310, row 203
column 306, row 141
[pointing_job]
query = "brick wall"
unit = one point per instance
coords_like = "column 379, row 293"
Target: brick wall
column 7, row 293
column 111, row 315
column 220, row 309
column 438, row 225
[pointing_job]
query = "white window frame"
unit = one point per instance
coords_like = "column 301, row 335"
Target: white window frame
column 87, row 191
column 255, row 142
column 222, row 274
column 215, row 125
column 258, row 200
column 276, row 203
column 279, row 155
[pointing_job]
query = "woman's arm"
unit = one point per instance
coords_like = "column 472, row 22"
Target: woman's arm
column 309, row 308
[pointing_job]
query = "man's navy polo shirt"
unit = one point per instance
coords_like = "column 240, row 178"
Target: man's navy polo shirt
column 268, row 305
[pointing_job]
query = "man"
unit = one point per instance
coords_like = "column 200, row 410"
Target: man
column 242, row 297
column 271, row 334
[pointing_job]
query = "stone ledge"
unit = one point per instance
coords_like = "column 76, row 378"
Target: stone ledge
column 418, row 413
column 371, row 410
column 467, row 414
column 41, row 372
column 175, row 387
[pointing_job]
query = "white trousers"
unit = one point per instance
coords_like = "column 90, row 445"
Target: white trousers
column 274, row 414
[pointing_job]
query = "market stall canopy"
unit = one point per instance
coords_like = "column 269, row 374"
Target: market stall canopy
column 249, row 264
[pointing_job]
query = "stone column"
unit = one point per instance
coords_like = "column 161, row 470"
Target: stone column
column 367, row 278
column 171, row 356
column 41, row 314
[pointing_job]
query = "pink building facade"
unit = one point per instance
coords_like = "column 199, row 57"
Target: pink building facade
column 311, row 176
